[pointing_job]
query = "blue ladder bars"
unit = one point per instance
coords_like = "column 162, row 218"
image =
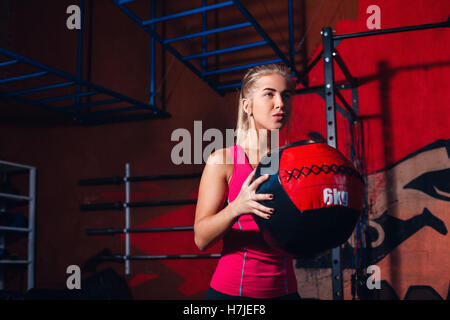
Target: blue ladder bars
column 87, row 117
column 203, row 73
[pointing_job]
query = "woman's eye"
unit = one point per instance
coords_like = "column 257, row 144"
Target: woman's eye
column 269, row 94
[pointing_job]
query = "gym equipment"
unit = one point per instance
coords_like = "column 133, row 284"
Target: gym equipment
column 127, row 205
column 10, row 223
column 318, row 198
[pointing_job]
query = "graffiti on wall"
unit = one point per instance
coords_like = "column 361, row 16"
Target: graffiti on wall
column 406, row 233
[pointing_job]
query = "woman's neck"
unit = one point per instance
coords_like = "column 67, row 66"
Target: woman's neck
column 257, row 144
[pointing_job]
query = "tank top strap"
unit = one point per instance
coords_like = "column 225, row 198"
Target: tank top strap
column 241, row 170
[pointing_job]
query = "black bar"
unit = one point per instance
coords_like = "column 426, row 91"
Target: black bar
column 329, row 91
column 392, row 30
column 313, row 63
column 139, row 230
column 101, row 181
column 160, row 203
column 315, row 89
column 342, row 65
column 120, row 180
column 330, row 105
column 320, row 89
column 308, row 69
column 102, row 206
column 119, row 257
column 355, row 105
column 130, row 117
column 346, row 105
column 165, row 177
column 121, row 205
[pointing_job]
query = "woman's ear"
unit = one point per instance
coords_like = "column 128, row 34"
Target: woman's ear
column 246, row 107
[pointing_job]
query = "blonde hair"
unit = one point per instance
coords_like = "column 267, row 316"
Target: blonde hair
column 248, row 83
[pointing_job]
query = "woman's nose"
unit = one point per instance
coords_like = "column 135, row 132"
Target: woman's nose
column 279, row 103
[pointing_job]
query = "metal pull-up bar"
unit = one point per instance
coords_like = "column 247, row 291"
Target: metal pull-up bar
column 330, row 41
column 445, row 24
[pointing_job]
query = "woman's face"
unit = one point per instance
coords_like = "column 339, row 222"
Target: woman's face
column 271, row 102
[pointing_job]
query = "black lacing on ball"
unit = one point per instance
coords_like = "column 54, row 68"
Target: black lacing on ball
column 305, row 171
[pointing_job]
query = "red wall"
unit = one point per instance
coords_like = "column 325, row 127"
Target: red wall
column 403, row 103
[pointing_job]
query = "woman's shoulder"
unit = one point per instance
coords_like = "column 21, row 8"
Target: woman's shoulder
column 222, row 161
column 221, row 156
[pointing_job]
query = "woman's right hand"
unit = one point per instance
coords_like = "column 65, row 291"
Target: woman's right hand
column 247, row 200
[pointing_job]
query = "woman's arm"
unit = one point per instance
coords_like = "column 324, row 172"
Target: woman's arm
column 210, row 222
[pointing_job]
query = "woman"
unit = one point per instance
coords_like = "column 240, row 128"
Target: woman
column 248, row 267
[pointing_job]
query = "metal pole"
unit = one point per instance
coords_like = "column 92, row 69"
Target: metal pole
column 204, row 38
column 345, row 70
column 207, row 32
column 80, row 53
column 186, row 13
column 224, row 50
column 119, row 205
column 31, row 227
column 291, row 33
column 127, row 220
column 328, row 47
column 152, row 56
column 91, row 232
column 120, row 180
column 2, row 269
column 393, row 30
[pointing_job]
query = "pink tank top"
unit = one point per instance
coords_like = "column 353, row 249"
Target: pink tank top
column 249, row 267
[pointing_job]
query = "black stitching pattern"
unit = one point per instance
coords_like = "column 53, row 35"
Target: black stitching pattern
column 305, row 171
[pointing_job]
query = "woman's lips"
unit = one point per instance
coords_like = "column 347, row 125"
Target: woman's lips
column 278, row 117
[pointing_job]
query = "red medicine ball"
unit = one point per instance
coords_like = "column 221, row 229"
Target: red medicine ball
column 318, row 198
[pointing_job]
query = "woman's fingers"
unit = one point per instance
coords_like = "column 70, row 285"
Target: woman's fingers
column 263, row 196
column 263, row 208
column 248, row 198
column 255, row 184
column 262, row 214
column 249, row 178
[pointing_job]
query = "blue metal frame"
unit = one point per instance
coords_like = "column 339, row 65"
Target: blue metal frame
column 292, row 51
column 152, row 58
column 203, row 72
column 81, row 111
column 204, row 61
column 69, row 80
column 80, row 51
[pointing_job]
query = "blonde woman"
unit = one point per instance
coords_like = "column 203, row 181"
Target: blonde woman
column 248, row 268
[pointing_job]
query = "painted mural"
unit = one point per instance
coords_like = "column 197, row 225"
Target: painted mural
column 408, row 211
